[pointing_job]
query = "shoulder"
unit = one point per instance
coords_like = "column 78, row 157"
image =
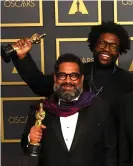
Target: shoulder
column 124, row 73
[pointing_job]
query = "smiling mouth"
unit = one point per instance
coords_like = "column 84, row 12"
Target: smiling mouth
column 105, row 56
column 68, row 87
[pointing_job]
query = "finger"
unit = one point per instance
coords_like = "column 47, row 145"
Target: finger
column 28, row 42
column 35, row 140
column 16, row 44
column 35, row 137
column 20, row 43
column 36, row 128
column 43, row 126
column 23, row 41
column 38, row 134
column 38, row 138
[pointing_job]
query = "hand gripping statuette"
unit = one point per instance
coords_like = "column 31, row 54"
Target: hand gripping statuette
column 8, row 50
column 34, row 148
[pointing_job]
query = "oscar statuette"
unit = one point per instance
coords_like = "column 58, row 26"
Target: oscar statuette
column 34, row 148
column 8, row 50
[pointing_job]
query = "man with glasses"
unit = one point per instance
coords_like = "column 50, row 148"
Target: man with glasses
column 107, row 42
column 78, row 129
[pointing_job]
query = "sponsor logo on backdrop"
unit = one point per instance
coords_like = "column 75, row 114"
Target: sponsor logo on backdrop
column 17, row 3
column 15, row 112
column 21, row 9
column 17, row 119
column 78, row 6
column 127, row 2
column 123, row 12
column 77, row 12
column 131, row 67
column 86, row 60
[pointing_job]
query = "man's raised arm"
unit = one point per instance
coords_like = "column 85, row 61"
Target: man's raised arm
column 39, row 83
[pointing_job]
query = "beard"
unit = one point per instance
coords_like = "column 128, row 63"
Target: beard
column 110, row 63
column 67, row 95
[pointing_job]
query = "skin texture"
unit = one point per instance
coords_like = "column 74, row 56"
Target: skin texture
column 69, row 67
column 24, row 46
column 106, row 56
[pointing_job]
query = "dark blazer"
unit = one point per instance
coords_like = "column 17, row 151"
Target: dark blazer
column 94, row 142
column 118, row 84
column 126, row 131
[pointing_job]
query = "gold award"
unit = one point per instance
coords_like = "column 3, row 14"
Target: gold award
column 34, row 148
column 8, row 50
column 35, row 39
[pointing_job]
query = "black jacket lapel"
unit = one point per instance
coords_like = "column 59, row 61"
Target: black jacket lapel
column 80, row 128
column 57, row 129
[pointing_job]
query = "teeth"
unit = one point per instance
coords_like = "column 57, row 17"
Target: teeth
column 105, row 55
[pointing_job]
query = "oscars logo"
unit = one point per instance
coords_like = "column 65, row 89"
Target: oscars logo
column 131, row 67
column 78, row 6
column 18, row 4
column 127, row 2
column 14, row 71
column 86, row 60
column 17, row 119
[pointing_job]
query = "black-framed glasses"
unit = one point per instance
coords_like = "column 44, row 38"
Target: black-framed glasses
column 63, row 76
column 112, row 46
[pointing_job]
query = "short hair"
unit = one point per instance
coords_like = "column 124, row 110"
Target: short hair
column 68, row 57
column 109, row 27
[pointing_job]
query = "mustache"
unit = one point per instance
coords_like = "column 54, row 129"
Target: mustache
column 67, row 84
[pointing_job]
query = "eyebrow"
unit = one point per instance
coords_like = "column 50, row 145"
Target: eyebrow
column 108, row 42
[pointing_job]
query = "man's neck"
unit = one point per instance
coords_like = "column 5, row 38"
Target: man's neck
column 99, row 68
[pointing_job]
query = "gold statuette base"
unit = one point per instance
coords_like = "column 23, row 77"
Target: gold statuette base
column 34, row 149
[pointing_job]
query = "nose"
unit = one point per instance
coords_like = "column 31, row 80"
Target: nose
column 107, row 47
column 68, row 79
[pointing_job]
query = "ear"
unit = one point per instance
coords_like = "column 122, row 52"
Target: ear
column 82, row 78
column 55, row 78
